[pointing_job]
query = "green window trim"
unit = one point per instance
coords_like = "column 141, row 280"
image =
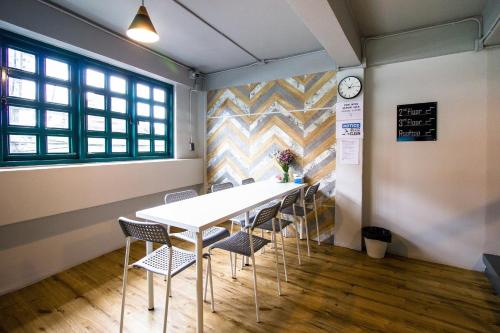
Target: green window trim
column 55, row 128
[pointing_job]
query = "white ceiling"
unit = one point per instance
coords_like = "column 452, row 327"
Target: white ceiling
column 380, row 17
column 266, row 28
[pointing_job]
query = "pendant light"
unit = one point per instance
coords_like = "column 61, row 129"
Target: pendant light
column 141, row 29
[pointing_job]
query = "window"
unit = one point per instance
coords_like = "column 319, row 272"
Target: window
column 37, row 108
column 60, row 107
column 151, row 118
column 107, row 114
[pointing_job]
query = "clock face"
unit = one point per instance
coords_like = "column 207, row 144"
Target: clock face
column 349, row 87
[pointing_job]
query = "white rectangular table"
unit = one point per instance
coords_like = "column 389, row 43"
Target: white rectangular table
column 205, row 211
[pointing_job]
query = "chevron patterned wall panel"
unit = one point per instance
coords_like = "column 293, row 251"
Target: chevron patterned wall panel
column 246, row 124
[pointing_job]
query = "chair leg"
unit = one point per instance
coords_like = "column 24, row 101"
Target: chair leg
column 283, row 250
column 276, row 256
column 211, row 285
column 207, row 273
column 233, row 267
column 254, row 269
column 262, row 235
column 297, row 240
column 307, row 238
column 207, row 278
column 255, row 288
column 167, row 296
column 316, row 217
column 243, row 258
column 124, row 285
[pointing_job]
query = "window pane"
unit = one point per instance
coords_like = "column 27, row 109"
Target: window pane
column 22, row 144
column 22, row 60
column 143, row 109
column 118, row 105
column 57, row 145
column 22, row 116
column 159, row 112
column 143, row 145
column 143, row 91
column 56, row 119
column 118, row 125
column 95, row 123
column 143, row 127
column 95, row 101
column 159, row 95
column 117, row 84
column 94, row 78
column 159, row 128
column 22, row 88
column 159, row 145
column 56, row 69
column 119, row 145
column 96, row 145
column 56, row 94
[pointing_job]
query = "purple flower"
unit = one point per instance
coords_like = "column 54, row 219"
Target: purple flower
column 284, row 158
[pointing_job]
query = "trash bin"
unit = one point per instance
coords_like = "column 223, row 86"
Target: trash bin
column 376, row 240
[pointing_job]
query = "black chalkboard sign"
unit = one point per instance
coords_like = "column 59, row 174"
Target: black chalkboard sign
column 417, row 122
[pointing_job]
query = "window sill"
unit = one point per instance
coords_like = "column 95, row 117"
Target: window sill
column 89, row 164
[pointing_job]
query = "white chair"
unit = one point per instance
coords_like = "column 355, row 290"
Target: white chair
column 287, row 201
column 221, row 186
column 246, row 244
column 298, row 211
column 167, row 260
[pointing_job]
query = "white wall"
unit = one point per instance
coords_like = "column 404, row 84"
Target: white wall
column 434, row 195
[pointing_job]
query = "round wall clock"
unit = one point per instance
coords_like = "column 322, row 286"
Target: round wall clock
column 349, row 87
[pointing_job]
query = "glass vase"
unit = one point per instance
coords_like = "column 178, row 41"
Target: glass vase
column 286, row 177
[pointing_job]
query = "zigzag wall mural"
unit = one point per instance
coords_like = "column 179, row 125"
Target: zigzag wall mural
column 246, row 124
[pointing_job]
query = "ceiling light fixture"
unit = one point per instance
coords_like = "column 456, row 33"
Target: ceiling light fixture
column 141, row 29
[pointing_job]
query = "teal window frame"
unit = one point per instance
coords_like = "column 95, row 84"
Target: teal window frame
column 77, row 109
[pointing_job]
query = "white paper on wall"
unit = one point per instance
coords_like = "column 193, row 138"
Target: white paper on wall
column 349, row 110
column 349, row 151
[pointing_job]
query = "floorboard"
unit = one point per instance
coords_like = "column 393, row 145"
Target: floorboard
column 335, row 290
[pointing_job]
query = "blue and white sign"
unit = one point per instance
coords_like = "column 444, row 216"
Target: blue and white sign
column 349, row 129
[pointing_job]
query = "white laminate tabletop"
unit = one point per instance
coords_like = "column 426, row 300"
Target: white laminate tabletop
column 204, row 211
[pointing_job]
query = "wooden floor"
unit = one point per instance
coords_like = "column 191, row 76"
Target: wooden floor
column 335, row 290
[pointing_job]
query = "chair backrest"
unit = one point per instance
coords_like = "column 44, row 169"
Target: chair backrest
column 265, row 214
column 311, row 192
column 247, row 181
column 290, row 199
column 145, row 231
column 221, row 186
column 179, row 196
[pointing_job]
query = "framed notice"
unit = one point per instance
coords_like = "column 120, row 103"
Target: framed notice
column 417, row 122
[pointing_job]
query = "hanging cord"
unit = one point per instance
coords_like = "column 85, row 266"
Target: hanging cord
column 272, row 113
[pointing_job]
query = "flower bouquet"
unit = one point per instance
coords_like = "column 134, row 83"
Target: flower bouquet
column 284, row 158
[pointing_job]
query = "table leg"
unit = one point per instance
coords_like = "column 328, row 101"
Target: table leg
column 199, row 282
column 151, row 298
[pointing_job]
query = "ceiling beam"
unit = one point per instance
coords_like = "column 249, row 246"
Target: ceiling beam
column 331, row 22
